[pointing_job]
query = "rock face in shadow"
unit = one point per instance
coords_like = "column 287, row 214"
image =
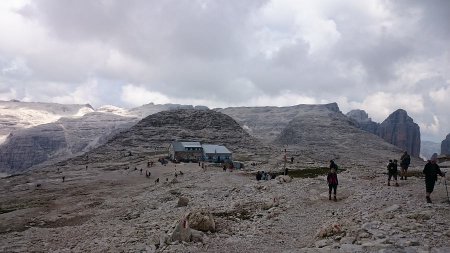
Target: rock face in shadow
column 445, row 146
column 65, row 138
column 400, row 130
column 26, row 148
column 364, row 122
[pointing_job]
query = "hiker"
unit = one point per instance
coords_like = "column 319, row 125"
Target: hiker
column 258, row 175
column 292, row 159
column 392, row 172
column 332, row 181
column 286, row 171
column 64, row 178
column 431, row 170
column 405, row 160
column 224, row 167
column 141, row 171
column 167, row 179
column 86, row 167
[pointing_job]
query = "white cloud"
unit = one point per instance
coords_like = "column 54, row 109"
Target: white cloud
column 375, row 55
column 379, row 105
column 138, row 95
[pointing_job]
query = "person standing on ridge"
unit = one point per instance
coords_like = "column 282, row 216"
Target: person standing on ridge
column 431, row 170
column 405, row 160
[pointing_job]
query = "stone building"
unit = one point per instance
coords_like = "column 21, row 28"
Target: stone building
column 185, row 151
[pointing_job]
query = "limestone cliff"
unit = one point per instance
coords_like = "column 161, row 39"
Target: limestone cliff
column 445, row 145
column 400, row 130
column 363, row 121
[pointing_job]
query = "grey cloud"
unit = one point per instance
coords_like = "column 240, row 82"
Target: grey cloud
column 208, row 50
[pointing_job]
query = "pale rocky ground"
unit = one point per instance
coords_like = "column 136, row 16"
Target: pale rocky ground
column 102, row 210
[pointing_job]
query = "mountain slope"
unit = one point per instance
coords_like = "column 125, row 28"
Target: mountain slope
column 160, row 129
column 323, row 134
column 266, row 123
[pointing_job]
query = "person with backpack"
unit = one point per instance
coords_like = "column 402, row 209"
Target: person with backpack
column 431, row 170
column 405, row 160
column 392, row 172
column 332, row 180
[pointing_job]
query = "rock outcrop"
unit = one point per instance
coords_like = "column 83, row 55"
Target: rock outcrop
column 65, row 138
column 322, row 134
column 28, row 147
column 160, row 129
column 16, row 115
column 400, row 130
column 445, row 146
column 363, row 121
column 267, row 122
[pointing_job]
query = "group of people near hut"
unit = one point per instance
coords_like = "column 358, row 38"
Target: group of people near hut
column 262, row 175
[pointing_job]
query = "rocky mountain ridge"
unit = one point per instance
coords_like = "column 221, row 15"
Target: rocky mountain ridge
column 35, row 133
column 267, row 122
column 157, row 131
column 398, row 129
column 445, row 145
column 15, row 115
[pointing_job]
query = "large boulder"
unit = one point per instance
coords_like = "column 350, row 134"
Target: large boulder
column 400, row 130
column 201, row 220
column 445, row 146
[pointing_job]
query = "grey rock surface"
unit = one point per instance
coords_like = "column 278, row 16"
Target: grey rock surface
column 445, row 145
column 55, row 141
column 364, row 122
column 400, row 130
column 266, row 123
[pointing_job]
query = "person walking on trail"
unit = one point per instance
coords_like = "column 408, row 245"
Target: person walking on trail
column 392, row 172
column 332, row 183
column 431, row 170
column 405, row 160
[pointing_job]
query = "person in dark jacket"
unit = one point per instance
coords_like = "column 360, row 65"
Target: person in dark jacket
column 332, row 180
column 431, row 170
column 392, row 171
column 405, row 160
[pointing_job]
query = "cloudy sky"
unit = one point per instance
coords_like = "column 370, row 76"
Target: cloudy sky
column 376, row 55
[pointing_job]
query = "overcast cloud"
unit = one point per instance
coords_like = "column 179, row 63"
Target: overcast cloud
column 376, row 55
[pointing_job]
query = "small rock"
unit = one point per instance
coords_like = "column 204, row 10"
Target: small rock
column 197, row 236
column 182, row 201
